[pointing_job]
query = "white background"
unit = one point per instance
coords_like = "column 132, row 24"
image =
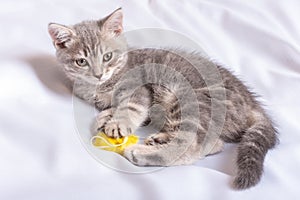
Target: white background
column 41, row 156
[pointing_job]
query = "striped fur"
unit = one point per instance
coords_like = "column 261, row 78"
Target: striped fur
column 194, row 104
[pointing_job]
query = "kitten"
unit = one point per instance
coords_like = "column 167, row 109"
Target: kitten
column 127, row 85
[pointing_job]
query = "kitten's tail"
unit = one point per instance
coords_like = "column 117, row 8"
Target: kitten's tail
column 252, row 149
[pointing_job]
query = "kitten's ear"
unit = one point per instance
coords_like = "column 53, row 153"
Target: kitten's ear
column 112, row 25
column 62, row 36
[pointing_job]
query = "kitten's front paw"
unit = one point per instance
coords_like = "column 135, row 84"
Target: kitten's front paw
column 144, row 155
column 158, row 138
column 117, row 129
column 100, row 121
column 136, row 154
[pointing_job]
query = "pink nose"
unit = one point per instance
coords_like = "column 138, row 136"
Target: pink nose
column 98, row 76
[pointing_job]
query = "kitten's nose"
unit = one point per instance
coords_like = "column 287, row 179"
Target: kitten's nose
column 98, row 76
column 97, row 72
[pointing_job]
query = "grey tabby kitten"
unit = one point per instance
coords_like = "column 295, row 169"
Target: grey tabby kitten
column 95, row 56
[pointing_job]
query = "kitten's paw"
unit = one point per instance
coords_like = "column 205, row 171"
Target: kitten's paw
column 136, row 154
column 216, row 147
column 101, row 120
column 130, row 154
column 158, row 138
column 117, row 129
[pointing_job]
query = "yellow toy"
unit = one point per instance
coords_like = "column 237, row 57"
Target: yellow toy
column 102, row 141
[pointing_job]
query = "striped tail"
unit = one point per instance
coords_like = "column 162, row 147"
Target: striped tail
column 252, row 149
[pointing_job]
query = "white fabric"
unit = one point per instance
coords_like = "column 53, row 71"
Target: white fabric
column 41, row 156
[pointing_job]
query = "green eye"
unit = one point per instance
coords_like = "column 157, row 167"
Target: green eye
column 107, row 56
column 81, row 62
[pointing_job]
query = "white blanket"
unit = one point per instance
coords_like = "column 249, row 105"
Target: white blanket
column 41, row 156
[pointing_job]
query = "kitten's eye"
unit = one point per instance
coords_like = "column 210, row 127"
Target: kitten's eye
column 81, row 62
column 107, row 56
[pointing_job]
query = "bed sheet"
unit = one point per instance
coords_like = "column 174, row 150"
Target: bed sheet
column 41, row 156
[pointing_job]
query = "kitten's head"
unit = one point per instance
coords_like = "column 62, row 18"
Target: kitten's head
column 91, row 51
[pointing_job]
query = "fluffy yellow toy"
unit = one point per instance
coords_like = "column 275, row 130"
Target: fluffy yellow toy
column 102, row 141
